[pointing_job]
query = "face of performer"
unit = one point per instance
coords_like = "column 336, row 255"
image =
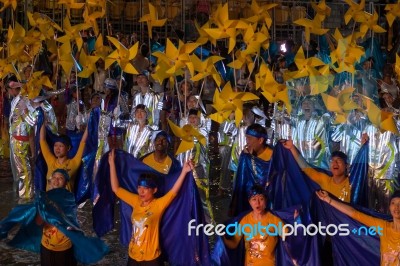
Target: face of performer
column 258, row 203
column 146, row 194
column 338, row 166
column 388, row 98
column 307, row 108
column 254, row 145
column 142, row 81
column 57, row 180
column 95, row 101
column 194, row 120
column 191, row 102
column 60, row 149
column 394, row 208
column 161, row 143
column 186, row 88
column 14, row 91
column 140, row 115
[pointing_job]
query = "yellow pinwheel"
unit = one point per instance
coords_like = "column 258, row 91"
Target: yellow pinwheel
column 264, row 30
column 88, row 64
column 320, row 83
column 72, row 33
column 306, row 66
column 65, row 57
column 368, row 22
column 35, row 83
column 6, row 68
column 274, row 91
column 226, row 28
column 44, row 24
column 206, row 68
column 260, row 76
column 345, row 56
column 177, row 58
column 101, row 50
column 311, row 26
column 241, row 59
column 381, row 119
column 233, row 101
column 161, row 74
column 321, row 9
column 122, row 56
column 393, row 12
column 7, row 3
column 33, row 44
column 70, row 4
column 261, row 13
column 340, row 105
column 91, row 19
column 218, row 103
column 253, row 41
column 188, row 134
column 203, row 35
column 95, row 4
column 354, row 10
column 152, row 20
column 15, row 40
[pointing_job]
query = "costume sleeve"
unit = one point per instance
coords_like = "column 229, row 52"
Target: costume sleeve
column 368, row 220
column 129, row 197
column 78, row 156
column 318, row 177
column 47, row 155
column 165, row 200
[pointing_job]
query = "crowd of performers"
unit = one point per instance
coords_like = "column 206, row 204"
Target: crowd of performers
column 115, row 134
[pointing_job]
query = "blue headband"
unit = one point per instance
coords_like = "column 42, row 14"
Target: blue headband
column 147, row 182
column 255, row 190
column 63, row 172
column 256, row 134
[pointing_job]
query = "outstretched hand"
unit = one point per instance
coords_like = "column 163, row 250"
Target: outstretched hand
column 323, row 195
column 111, row 157
column 364, row 138
column 288, row 144
column 187, row 167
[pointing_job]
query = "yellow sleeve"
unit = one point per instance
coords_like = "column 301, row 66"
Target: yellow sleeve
column 368, row 220
column 76, row 161
column 130, row 198
column 47, row 155
column 318, row 177
column 166, row 200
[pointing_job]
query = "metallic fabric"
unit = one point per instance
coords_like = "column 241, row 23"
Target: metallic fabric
column 151, row 101
column 138, row 142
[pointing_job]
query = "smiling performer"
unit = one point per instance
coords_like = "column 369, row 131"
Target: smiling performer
column 338, row 184
column 144, row 247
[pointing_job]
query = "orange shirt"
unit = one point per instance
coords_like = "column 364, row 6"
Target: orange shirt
column 266, row 154
column 390, row 239
column 342, row 190
column 55, row 240
column 162, row 167
column 145, row 243
column 260, row 250
column 69, row 165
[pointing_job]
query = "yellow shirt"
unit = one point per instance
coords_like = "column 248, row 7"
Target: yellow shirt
column 162, row 167
column 342, row 190
column 260, row 250
column 266, row 154
column 55, row 240
column 145, row 244
column 390, row 239
column 69, row 165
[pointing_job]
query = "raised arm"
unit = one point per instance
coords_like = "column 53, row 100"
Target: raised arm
column 113, row 172
column 42, row 135
column 187, row 167
column 85, row 134
column 288, row 144
column 346, row 209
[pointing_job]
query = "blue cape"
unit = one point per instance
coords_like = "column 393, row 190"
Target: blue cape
column 177, row 246
column 56, row 207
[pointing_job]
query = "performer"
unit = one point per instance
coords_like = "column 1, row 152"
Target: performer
column 138, row 141
column 75, row 111
column 150, row 99
column 259, row 248
column 144, row 246
column 338, row 184
column 21, row 150
column 390, row 234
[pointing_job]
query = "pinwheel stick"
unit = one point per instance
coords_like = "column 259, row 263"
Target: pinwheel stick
column 77, row 88
column 178, row 94
column 201, row 91
column 120, row 86
column 251, row 72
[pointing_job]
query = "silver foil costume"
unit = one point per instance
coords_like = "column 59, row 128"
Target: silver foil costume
column 226, row 136
column 152, row 101
column 138, row 142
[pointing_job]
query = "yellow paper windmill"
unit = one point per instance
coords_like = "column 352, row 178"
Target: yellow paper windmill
column 203, row 35
column 253, row 41
column 7, row 3
column 226, row 28
column 218, row 103
column 320, row 83
column 33, row 44
column 161, row 74
column 322, row 10
column 91, row 19
column 306, row 66
column 98, row 4
column 345, row 56
column 188, row 134
column 70, row 4
column 65, row 58
column 354, row 10
column 264, row 30
column 340, row 105
column 261, row 13
column 15, row 40
column 122, row 56
column 6, row 68
column 260, row 76
column 274, row 91
column 368, row 22
column 393, row 12
column 34, row 85
column 72, row 33
column 152, row 20
column 45, row 25
column 233, row 101
column 177, row 58
column 206, row 68
column 242, row 59
column 88, row 64
column 101, row 50
column 381, row 119
column 311, row 26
